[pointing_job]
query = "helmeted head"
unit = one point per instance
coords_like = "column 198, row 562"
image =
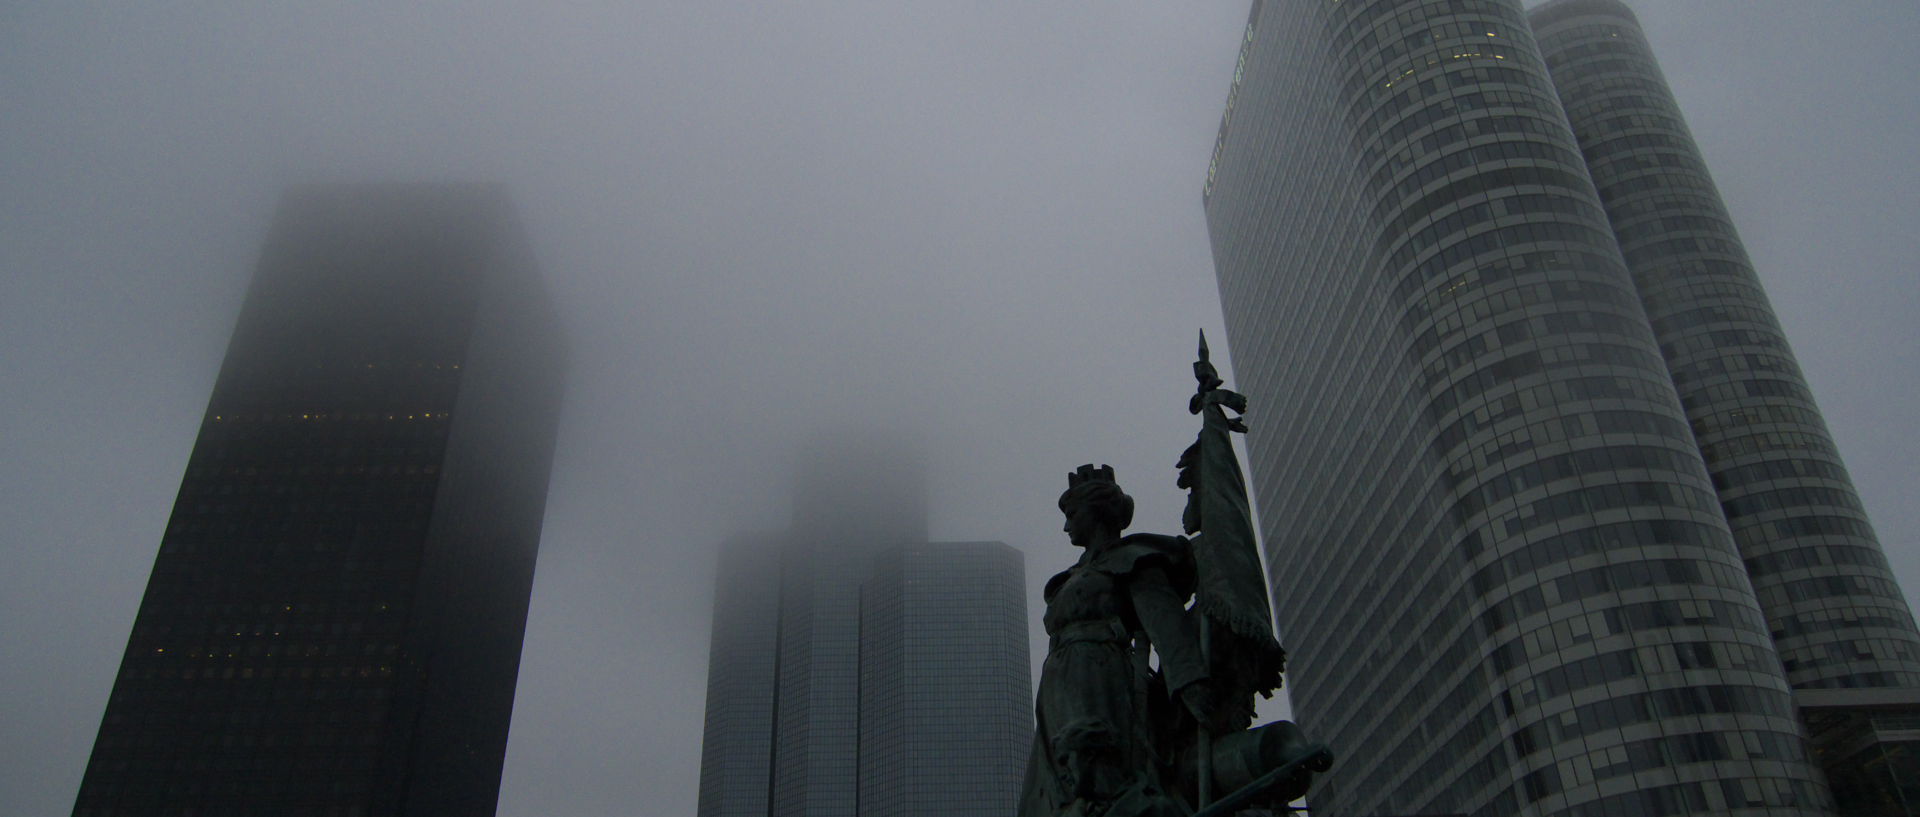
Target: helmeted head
column 1092, row 501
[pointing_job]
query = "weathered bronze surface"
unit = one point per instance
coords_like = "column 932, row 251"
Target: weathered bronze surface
column 1121, row 734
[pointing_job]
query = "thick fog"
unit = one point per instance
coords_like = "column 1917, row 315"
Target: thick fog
column 976, row 225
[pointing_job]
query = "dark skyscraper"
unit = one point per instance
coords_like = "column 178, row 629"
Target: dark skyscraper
column 1516, row 527
column 857, row 669
column 333, row 624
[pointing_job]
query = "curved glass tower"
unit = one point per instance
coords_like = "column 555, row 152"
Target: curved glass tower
column 1837, row 618
column 1499, row 562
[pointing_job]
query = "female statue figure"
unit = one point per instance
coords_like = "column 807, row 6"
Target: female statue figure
column 1108, row 725
column 1118, row 735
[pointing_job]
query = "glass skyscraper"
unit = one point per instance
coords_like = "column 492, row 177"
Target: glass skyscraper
column 858, row 669
column 946, row 710
column 1501, row 562
column 332, row 627
column 1837, row 617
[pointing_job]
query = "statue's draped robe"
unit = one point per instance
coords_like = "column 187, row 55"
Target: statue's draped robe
column 1096, row 737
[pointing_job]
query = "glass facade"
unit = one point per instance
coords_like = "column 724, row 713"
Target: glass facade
column 737, row 754
column 946, row 717
column 1836, row 616
column 1501, row 568
column 332, row 626
column 1868, row 740
column 857, row 669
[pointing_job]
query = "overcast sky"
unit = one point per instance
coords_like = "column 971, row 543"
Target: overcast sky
column 977, row 223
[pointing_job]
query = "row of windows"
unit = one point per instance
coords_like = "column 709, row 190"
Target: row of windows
column 1627, row 576
column 1513, row 406
column 1585, row 462
column 1373, row 144
column 1707, row 343
column 1589, row 85
column 1784, row 498
column 274, row 511
column 1623, row 619
column 1581, row 389
column 1859, row 680
column 1630, row 210
column 1797, row 468
column 1373, row 106
column 1665, row 752
column 1532, row 206
column 1558, row 57
column 1368, row 24
column 1598, row 498
column 1463, row 77
column 1506, row 127
column 1505, row 268
column 1633, row 662
column 1814, row 622
column 1666, row 181
column 1652, row 227
column 1393, row 15
column 1471, row 384
column 1601, row 104
column 1598, row 31
column 1414, row 212
column 1692, row 798
column 1506, row 150
column 1826, row 587
column 367, row 484
column 1789, row 442
column 320, row 416
column 1547, row 327
column 1762, row 414
column 289, row 706
column 1676, row 246
column 1692, row 396
column 1536, row 556
column 325, row 673
column 1643, row 707
column 1651, row 121
column 1500, row 239
column 1709, row 314
column 1845, row 653
column 1687, row 281
column 1750, row 537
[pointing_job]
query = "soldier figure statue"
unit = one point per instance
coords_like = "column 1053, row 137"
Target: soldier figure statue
column 1118, row 736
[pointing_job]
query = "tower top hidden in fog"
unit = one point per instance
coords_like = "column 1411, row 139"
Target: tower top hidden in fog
column 333, row 623
column 858, row 669
column 870, row 487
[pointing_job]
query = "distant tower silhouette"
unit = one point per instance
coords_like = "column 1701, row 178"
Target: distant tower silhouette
column 333, row 624
column 857, row 669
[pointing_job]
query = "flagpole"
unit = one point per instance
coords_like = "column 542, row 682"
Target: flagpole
column 1206, row 738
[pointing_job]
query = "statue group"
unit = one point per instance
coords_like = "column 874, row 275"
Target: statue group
column 1156, row 647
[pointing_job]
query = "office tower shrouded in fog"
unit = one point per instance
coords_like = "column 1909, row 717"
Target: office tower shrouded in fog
column 1837, row 617
column 1503, row 566
column 857, row 669
column 333, row 624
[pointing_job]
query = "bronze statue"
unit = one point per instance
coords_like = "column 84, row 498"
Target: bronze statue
column 1119, row 737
